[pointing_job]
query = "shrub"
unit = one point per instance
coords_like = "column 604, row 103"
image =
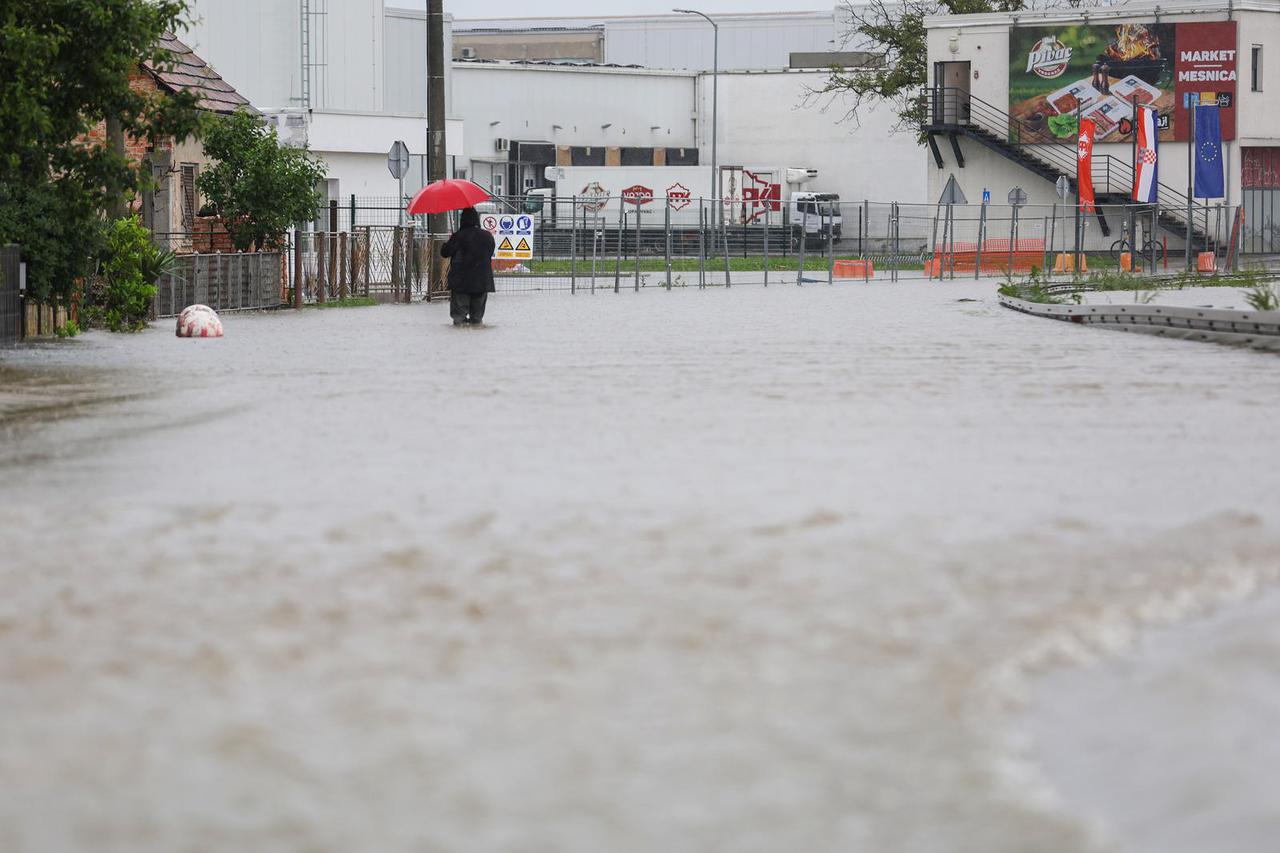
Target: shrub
column 130, row 265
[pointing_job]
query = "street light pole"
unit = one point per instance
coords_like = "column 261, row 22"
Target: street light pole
column 717, row 188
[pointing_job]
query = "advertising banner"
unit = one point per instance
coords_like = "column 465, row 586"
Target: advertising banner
column 1104, row 71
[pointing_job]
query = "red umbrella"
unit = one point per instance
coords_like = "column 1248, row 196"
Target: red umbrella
column 446, row 195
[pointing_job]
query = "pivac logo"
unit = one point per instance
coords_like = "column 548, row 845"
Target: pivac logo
column 1048, row 58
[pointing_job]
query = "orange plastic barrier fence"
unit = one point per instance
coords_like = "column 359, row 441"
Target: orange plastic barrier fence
column 1066, row 262
column 1206, row 262
column 1028, row 253
column 855, row 268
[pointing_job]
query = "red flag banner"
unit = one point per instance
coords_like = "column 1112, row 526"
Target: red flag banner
column 1084, row 164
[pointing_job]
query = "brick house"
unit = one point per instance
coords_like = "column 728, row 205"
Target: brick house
column 172, row 208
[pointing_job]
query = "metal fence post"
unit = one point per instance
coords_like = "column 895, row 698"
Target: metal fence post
column 1013, row 235
column 982, row 234
column 368, row 256
column 573, row 244
column 724, row 229
column 637, row 247
column 666, row 236
column 804, row 238
column 831, row 224
column 617, row 258
column 702, row 246
column 767, row 206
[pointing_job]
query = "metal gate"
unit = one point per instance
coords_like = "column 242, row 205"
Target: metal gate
column 10, row 298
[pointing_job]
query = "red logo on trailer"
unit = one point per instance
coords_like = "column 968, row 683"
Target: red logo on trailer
column 759, row 195
column 637, row 195
column 678, row 196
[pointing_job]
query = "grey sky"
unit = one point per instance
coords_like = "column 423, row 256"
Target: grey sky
column 540, row 8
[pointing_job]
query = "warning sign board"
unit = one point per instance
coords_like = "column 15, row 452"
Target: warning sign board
column 512, row 235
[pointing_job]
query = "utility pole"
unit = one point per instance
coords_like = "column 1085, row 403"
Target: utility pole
column 436, row 159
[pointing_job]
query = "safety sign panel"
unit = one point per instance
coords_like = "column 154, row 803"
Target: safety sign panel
column 512, row 235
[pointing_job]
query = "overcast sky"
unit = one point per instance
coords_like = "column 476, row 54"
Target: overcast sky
column 546, row 8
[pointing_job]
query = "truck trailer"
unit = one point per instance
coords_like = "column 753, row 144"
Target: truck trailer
column 681, row 197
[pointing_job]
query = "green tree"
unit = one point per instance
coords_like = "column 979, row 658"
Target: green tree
column 65, row 70
column 893, row 31
column 258, row 186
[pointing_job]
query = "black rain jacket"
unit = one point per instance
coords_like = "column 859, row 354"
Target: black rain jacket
column 471, row 252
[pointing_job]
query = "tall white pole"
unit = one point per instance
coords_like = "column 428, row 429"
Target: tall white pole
column 717, row 185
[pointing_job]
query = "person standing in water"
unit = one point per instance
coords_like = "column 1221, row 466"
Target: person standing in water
column 470, row 281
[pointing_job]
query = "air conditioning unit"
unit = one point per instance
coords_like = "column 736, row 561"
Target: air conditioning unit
column 799, row 176
column 500, row 144
column 553, row 173
column 468, row 53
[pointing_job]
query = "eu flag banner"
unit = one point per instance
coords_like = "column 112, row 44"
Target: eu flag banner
column 1146, row 184
column 1208, row 138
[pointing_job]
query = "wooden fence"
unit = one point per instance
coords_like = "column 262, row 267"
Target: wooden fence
column 225, row 281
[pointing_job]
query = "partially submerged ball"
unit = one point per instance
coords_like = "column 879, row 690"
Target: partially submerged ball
column 199, row 321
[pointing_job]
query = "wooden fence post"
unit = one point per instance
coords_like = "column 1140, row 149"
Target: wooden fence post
column 396, row 250
column 410, row 265
column 322, row 247
column 343, row 264
column 368, row 252
column 297, row 269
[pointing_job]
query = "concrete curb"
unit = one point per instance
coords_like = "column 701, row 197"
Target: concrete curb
column 1260, row 329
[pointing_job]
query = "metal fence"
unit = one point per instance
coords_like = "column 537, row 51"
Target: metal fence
column 614, row 244
column 387, row 262
column 10, row 296
column 225, row 281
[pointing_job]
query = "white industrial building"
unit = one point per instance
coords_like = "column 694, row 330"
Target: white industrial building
column 347, row 77
column 672, row 41
column 520, row 118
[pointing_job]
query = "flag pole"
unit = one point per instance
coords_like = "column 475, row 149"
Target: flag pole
column 1191, row 159
column 1133, row 190
column 1075, row 261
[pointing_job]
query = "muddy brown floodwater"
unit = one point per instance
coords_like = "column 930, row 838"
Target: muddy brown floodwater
column 748, row 570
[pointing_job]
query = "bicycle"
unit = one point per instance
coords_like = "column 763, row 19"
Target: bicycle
column 1124, row 245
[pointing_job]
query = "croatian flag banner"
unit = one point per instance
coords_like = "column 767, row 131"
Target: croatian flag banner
column 1146, row 184
column 1084, row 165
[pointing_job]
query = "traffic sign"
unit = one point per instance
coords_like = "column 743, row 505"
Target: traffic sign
column 986, row 196
column 512, row 236
column 1017, row 196
column 1062, row 186
column 398, row 159
column 951, row 193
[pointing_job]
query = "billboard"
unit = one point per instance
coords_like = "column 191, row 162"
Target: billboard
column 1058, row 73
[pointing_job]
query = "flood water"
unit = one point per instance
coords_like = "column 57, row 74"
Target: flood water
column 748, row 570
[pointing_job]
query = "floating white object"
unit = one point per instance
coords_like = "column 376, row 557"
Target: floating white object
column 199, row 321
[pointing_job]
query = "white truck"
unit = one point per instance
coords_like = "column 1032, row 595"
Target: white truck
column 753, row 196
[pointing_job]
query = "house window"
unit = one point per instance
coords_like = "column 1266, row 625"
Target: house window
column 496, row 187
column 189, row 199
column 1256, row 77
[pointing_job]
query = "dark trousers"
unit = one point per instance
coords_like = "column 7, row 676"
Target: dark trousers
column 467, row 307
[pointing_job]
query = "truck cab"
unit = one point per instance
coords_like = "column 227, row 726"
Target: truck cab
column 813, row 215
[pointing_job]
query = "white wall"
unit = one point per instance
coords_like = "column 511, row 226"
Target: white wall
column 746, row 41
column 253, row 44
column 769, row 119
column 527, row 101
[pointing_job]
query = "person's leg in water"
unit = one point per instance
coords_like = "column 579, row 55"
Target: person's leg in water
column 459, row 307
column 478, row 302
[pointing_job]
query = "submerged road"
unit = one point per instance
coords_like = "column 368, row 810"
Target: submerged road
column 749, row 570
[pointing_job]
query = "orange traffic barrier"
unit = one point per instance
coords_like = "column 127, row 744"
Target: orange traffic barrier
column 1066, row 262
column 1126, row 263
column 855, row 268
column 1206, row 262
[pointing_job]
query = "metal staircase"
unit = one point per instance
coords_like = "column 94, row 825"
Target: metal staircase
column 954, row 113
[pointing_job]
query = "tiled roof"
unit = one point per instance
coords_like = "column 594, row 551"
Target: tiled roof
column 186, row 72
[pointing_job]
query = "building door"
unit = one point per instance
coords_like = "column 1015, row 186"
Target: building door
column 1260, row 182
column 951, row 98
